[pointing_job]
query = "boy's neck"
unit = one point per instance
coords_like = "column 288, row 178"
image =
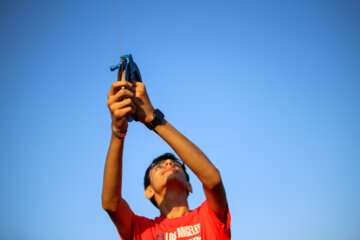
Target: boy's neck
column 174, row 204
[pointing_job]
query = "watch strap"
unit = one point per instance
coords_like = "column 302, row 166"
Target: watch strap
column 158, row 119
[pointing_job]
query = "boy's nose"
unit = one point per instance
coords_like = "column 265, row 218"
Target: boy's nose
column 169, row 162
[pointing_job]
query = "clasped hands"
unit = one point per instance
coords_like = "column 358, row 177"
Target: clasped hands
column 128, row 98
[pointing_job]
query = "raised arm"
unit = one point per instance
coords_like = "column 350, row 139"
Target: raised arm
column 189, row 153
column 119, row 103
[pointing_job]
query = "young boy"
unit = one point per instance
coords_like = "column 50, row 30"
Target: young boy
column 166, row 181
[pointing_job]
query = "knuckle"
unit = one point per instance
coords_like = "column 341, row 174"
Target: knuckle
column 128, row 101
column 122, row 92
column 112, row 108
column 108, row 103
column 114, row 84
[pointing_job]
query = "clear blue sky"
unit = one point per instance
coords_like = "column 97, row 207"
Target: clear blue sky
column 269, row 90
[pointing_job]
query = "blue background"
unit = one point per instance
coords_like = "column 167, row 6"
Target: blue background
column 269, row 90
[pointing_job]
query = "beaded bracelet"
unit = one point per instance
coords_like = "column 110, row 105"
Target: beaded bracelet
column 120, row 135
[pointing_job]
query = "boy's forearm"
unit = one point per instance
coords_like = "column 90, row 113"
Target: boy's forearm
column 192, row 156
column 111, row 194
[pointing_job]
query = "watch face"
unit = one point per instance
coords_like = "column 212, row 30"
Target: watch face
column 159, row 115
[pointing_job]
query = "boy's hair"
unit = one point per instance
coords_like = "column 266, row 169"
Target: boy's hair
column 158, row 159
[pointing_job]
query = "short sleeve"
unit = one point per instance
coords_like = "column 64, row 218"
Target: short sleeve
column 211, row 224
column 142, row 228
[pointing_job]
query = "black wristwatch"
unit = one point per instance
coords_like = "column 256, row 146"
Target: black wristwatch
column 159, row 118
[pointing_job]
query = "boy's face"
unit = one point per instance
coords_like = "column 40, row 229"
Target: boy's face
column 167, row 173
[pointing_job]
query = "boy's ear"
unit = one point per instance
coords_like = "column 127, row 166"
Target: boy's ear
column 189, row 187
column 149, row 192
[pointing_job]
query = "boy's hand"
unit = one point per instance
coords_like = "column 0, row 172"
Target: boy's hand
column 144, row 108
column 120, row 103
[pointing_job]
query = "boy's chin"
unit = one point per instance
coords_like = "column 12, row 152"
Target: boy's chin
column 174, row 179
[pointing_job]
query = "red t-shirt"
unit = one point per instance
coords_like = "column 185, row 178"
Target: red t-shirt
column 201, row 223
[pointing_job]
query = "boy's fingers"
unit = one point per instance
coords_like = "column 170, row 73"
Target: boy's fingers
column 120, row 113
column 123, row 93
column 119, row 105
column 120, row 95
column 118, row 85
column 132, row 89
